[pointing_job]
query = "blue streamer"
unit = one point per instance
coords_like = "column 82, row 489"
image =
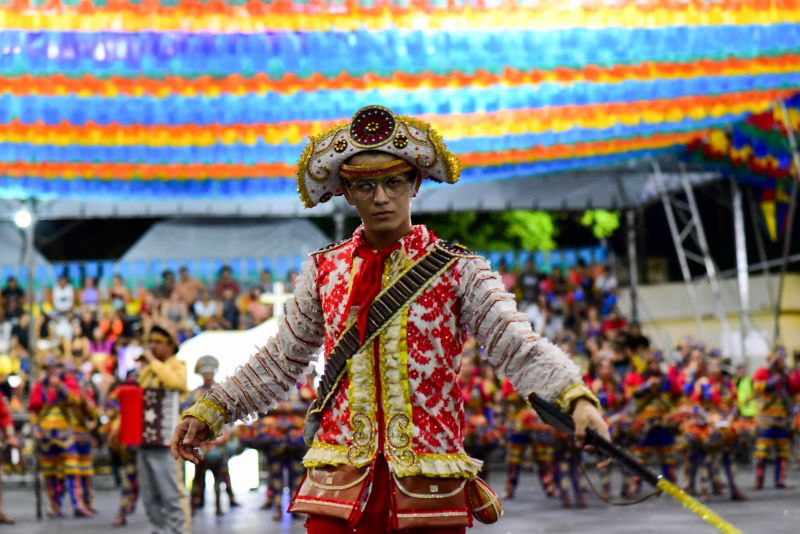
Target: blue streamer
column 334, row 105
column 156, row 55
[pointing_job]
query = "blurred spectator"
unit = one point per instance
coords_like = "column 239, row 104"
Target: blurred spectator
column 229, row 310
column 226, row 281
column 528, row 282
column 76, row 349
column 167, row 285
column 119, row 293
column 509, row 278
column 291, row 283
column 606, row 283
column 204, row 308
column 187, row 288
column 62, row 327
column 90, row 297
column 636, row 341
column 13, row 298
column 257, row 311
column 265, row 282
column 20, row 332
column 592, row 327
column 100, row 348
column 87, row 322
column 112, row 325
column 613, row 323
column 173, row 310
column 537, row 314
column 63, row 295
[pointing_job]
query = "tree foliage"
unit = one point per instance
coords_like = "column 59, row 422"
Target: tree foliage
column 603, row 223
column 517, row 229
column 510, row 230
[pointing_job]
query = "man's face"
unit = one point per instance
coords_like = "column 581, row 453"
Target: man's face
column 380, row 211
column 161, row 348
column 184, row 274
column 208, row 378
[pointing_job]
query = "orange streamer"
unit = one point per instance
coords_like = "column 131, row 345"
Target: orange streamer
column 125, row 171
column 58, row 84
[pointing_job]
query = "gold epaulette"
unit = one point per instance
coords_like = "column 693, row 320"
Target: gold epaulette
column 456, row 250
column 332, row 246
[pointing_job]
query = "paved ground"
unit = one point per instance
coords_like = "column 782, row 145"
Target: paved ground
column 771, row 511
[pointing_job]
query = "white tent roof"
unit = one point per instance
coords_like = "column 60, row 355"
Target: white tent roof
column 187, row 239
column 607, row 188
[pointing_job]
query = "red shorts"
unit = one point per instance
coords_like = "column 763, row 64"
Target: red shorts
column 376, row 518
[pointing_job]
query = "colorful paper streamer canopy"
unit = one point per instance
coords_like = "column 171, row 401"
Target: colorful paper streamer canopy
column 119, row 99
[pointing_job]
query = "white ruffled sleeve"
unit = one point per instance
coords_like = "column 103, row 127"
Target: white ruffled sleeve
column 270, row 374
column 531, row 362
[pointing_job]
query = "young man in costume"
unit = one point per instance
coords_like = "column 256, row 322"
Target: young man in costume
column 395, row 416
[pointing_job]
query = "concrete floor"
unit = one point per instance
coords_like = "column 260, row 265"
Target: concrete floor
column 770, row 511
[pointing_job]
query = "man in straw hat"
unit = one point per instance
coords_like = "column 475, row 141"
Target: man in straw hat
column 391, row 308
column 163, row 378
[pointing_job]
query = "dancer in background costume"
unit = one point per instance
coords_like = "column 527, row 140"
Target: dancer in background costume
column 216, row 455
column 525, row 430
column 774, row 387
column 9, row 438
column 610, row 391
column 84, row 417
column 126, row 454
column 392, row 427
column 481, row 434
column 654, row 394
column 716, row 395
column 287, row 447
column 51, row 402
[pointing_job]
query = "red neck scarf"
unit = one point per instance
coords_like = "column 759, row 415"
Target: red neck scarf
column 367, row 283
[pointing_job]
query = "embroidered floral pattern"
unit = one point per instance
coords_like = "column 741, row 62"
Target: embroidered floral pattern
column 419, row 362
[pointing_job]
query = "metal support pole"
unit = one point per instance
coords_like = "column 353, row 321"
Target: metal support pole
column 787, row 244
column 633, row 263
column 702, row 243
column 678, row 242
column 30, row 262
column 762, row 251
column 742, row 274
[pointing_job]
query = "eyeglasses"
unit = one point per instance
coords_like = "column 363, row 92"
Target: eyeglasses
column 393, row 186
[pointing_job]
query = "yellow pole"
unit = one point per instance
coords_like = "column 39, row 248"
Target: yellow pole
column 699, row 509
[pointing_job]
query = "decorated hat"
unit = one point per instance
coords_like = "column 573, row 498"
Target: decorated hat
column 159, row 332
column 206, row 364
column 372, row 128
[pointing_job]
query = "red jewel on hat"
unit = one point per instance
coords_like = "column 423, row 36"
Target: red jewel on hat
column 372, row 126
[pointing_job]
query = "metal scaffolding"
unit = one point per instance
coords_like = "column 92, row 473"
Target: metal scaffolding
column 691, row 232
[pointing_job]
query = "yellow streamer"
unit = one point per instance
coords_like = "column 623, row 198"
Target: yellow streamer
column 550, row 18
column 699, row 509
column 473, row 125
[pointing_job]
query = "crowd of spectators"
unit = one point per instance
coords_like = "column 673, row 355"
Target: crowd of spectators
column 90, row 325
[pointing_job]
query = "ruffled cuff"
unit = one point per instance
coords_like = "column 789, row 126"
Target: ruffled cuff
column 566, row 401
column 210, row 413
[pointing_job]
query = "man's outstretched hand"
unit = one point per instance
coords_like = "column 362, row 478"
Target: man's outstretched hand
column 186, row 439
column 586, row 415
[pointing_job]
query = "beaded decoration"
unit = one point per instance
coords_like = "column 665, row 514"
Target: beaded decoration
column 372, row 128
